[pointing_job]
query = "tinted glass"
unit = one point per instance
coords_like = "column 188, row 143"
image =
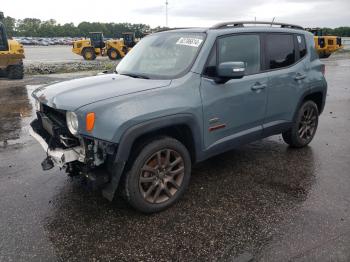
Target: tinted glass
column 3, row 43
column 280, row 50
column 301, row 45
column 241, row 48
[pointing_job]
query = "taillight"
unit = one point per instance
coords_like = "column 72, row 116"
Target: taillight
column 323, row 69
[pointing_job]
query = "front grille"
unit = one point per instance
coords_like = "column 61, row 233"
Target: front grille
column 56, row 115
column 52, row 126
column 330, row 42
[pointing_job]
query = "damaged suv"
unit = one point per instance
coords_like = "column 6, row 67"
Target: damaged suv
column 178, row 98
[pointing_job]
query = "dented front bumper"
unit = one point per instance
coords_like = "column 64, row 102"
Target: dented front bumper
column 59, row 156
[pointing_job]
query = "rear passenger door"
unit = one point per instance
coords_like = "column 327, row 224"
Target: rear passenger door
column 284, row 61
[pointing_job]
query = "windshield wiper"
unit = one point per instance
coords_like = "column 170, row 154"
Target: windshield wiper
column 135, row 75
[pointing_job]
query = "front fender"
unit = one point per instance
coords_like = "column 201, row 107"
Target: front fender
column 128, row 138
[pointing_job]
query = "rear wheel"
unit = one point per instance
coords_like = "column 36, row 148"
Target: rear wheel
column 89, row 53
column 304, row 126
column 15, row 71
column 159, row 175
column 324, row 55
column 3, row 73
column 113, row 54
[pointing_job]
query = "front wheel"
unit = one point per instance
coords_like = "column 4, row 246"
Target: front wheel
column 159, row 175
column 15, row 71
column 113, row 54
column 89, row 53
column 304, row 127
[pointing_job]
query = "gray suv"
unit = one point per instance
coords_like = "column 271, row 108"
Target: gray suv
column 178, row 98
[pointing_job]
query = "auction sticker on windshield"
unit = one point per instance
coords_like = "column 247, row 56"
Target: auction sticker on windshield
column 189, row 41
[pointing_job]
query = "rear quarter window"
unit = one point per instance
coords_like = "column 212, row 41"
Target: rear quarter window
column 280, row 51
column 301, row 44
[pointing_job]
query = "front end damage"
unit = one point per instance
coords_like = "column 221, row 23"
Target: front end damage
column 77, row 155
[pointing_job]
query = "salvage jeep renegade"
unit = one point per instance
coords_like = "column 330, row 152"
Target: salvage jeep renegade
column 178, row 98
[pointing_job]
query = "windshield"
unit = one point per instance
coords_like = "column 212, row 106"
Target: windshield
column 164, row 55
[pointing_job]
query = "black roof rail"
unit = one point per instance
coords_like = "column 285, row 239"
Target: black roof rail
column 242, row 23
column 172, row 28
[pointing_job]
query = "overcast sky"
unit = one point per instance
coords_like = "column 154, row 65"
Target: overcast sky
column 183, row 13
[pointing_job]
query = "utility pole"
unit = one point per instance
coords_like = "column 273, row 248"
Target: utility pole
column 166, row 13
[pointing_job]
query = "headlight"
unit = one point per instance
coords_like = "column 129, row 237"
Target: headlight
column 72, row 122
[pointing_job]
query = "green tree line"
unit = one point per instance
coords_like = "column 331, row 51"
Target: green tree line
column 50, row 28
column 33, row 27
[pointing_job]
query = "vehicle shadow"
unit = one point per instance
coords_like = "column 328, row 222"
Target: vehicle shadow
column 234, row 204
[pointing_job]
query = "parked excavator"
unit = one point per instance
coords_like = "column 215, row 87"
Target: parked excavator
column 11, row 55
column 325, row 44
column 95, row 45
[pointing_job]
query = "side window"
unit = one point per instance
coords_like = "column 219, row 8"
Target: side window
column 241, row 48
column 280, row 51
column 2, row 44
column 301, row 46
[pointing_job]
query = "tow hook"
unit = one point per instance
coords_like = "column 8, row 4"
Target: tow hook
column 47, row 164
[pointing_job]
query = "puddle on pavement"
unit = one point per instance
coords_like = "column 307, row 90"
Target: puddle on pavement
column 16, row 112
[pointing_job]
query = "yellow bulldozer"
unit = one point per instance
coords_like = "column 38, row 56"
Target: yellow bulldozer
column 325, row 44
column 95, row 45
column 11, row 55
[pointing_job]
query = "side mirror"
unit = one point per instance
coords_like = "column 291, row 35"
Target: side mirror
column 230, row 70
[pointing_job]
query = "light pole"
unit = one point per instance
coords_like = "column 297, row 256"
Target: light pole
column 166, row 13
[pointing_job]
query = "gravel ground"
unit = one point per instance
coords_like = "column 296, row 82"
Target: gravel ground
column 61, row 59
column 261, row 202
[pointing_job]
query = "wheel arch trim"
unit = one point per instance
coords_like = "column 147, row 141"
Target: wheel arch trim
column 134, row 132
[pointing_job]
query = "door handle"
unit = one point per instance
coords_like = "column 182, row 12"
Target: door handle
column 258, row 86
column 299, row 77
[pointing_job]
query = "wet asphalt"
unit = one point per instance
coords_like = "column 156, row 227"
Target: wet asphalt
column 261, row 202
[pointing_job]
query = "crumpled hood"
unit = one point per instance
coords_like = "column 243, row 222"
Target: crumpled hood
column 73, row 94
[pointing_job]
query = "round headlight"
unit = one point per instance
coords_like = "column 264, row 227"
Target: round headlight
column 72, row 122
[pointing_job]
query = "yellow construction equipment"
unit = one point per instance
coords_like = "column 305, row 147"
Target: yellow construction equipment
column 11, row 55
column 95, row 45
column 325, row 44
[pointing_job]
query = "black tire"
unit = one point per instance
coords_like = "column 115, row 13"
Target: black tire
column 15, row 71
column 3, row 73
column 304, row 127
column 323, row 55
column 170, row 175
column 89, row 53
column 113, row 54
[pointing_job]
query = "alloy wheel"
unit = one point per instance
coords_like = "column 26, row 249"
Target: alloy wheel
column 308, row 123
column 161, row 176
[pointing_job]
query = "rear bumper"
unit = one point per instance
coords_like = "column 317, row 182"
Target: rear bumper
column 59, row 156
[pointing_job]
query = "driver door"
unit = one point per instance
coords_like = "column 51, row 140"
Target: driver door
column 234, row 111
